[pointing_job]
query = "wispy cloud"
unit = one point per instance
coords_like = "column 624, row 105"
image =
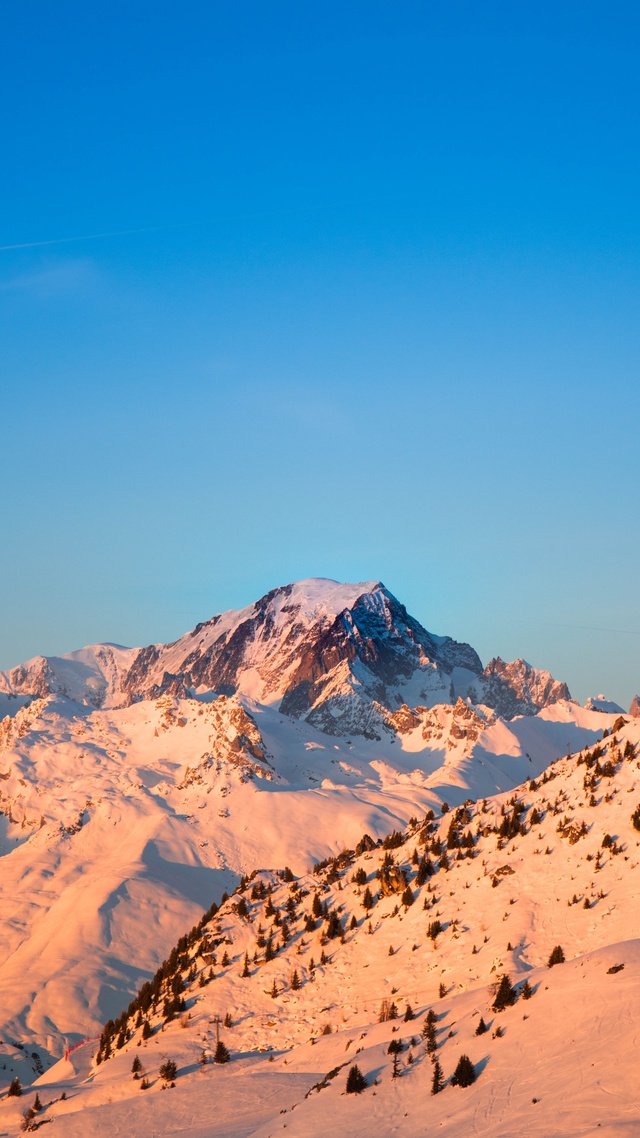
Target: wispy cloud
column 56, row 279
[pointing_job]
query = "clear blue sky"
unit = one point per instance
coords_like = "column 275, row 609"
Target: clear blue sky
column 378, row 317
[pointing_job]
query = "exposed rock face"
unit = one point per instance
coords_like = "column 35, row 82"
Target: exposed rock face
column 444, row 724
column 635, row 706
column 392, row 880
column 516, row 688
column 340, row 656
column 236, row 743
column 365, row 844
column 328, row 653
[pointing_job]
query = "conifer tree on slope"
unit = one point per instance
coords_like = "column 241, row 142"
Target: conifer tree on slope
column 464, row 1074
column 356, row 1082
column 437, row 1081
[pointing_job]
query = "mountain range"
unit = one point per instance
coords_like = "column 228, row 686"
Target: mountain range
column 341, row 657
column 138, row 785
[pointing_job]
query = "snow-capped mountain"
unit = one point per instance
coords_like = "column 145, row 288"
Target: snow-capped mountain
column 339, row 656
column 138, row 784
column 391, row 956
column 92, row 675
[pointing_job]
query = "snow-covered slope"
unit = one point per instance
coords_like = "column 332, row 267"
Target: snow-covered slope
column 120, row 826
column 494, row 888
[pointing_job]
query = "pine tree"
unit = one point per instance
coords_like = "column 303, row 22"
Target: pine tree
column 228, row 1022
column 147, row 1030
column 437, row 1081
column 274, row 991
column 395, row 1047
column 334, row 928
column 316, row 907
column 367, row 900
column 356, row 1082
column 453, row 841
column 37, row 1105
column 464, row 1074
column 505, row 994
column 423, row 872
column 408, row 1015
column 527, row 991
column 354, row 922
column 269, row 954
column 295, row 982
column 245, row 970
column 168, row 1071
column 407, row 897
column 136, row 1067
column 395, row 1069
column 557, row 956
column 225, row 960
column 482, row 1027
column 15, row 1090
column 221, row 1053
column 442, row 991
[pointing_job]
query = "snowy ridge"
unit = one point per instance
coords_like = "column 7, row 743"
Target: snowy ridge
column 600, row 703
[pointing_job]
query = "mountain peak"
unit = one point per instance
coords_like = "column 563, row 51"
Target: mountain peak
column 344, row 656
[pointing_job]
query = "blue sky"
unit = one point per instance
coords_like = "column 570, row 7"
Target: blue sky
column 374, row 315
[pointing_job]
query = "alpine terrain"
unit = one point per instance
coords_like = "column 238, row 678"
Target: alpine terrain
column 311, row 867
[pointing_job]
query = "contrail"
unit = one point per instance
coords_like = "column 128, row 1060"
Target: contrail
column 88, row 237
